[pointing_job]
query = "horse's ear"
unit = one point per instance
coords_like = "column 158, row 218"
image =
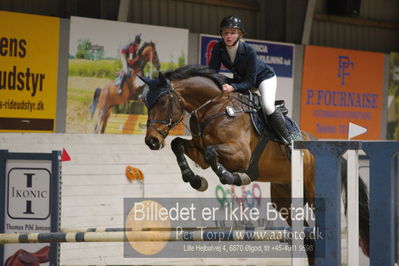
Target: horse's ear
column 145, row 80
column 142, row 92
column 162, row 78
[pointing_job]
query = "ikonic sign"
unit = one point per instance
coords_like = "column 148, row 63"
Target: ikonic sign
column 27, row 208
column 28, row 191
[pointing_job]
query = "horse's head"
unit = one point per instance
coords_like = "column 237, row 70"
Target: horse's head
column 148, row 53
column 155, row 58
column 165, row 110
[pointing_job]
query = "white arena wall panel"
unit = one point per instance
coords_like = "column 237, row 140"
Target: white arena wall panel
column 94, row 184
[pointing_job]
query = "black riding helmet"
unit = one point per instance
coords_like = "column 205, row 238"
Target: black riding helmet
column 232, row 22
column 137, row 39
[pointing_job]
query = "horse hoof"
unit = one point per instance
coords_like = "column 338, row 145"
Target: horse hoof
column 199, row 183
column 204, row 184
column 245, row 179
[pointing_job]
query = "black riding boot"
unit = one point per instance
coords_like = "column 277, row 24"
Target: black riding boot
column 276, row 120
column 121, row 84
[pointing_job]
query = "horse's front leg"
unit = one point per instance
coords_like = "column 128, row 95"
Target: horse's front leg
column 182, row 146
column 232, row 157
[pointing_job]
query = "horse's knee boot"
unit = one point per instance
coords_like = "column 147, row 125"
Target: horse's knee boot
column 227, row 178
column 177, row 146
column 187, row 174
column 210, row 155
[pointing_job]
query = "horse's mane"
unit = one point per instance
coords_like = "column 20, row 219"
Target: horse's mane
column 189, row 71
column 140, row 51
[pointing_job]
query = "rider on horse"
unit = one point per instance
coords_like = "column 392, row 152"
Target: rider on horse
column 249, row 72
column 129, row 55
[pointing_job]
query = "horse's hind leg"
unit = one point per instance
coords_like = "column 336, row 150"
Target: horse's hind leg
column 281, row 197
column 102, row 118
column 364, row 212
column 106, row 116
column 180, row 147
column 99, row 119
column 225, row 176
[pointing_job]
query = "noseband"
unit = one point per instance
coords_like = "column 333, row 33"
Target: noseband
column 169, row 121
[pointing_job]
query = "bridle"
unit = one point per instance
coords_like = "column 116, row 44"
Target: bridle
column 169, row 120
column 155, row 59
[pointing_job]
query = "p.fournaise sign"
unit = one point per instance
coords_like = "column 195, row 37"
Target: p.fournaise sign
column 341, row 86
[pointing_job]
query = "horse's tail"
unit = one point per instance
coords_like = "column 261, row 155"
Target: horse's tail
column 93, row 106
column 364, row 213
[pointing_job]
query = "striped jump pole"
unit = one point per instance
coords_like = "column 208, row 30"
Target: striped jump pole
column 124, row 229
column 148, row 236
column 106, row 229
column 171, row 229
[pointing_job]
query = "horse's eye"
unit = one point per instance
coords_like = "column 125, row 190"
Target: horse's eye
column 162, row 101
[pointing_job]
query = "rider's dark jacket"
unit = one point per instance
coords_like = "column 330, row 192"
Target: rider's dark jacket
column 248, row 71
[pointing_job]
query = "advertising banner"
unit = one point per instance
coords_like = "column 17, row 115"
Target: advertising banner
column 29, row 187
column 338, row 87
column 103, row 88
column 280, row 56
column 28, row 72
column 393, row 97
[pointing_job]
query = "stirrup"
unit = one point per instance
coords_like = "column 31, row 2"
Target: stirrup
column 284, row 140
column 288, row 150
column 288, row 147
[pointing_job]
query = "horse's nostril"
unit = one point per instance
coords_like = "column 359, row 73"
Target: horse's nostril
column 154, row 142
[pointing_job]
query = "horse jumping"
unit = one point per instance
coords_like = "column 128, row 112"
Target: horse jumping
column 108, row 96
column 226, row 143
column 147, row 53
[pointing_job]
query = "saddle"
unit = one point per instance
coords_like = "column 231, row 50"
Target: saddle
column 22, row 257
column 259, row 121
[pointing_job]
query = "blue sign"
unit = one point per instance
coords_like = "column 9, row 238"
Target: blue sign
column 279, row 56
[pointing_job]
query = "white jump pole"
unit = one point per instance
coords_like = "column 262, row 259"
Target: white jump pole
column 353, row 207
column 297, row 201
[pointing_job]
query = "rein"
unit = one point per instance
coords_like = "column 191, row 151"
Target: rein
column 200, row 124
column 250, row 103
column 169, row 122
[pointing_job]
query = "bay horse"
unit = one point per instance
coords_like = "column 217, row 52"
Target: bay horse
column 147, row 53
column 108, row 96
column 228, row 143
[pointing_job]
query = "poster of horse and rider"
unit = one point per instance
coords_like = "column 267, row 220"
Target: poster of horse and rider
column 105, row 59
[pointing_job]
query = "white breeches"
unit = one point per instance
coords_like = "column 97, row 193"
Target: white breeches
column 267, row 89
column 124, row 63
